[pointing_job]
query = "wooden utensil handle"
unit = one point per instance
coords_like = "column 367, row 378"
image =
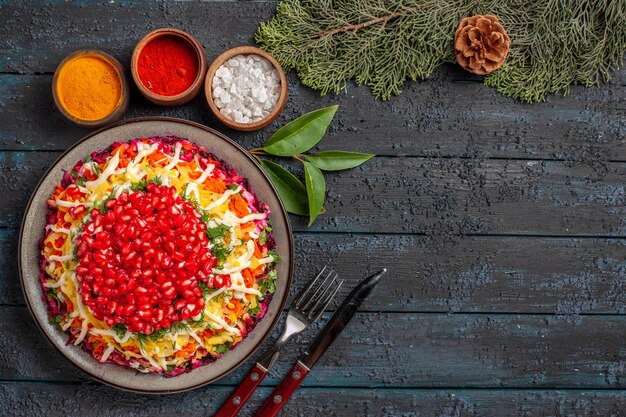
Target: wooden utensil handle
column 283, row 391
column 236, row 401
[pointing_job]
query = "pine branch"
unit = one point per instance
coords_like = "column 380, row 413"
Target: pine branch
column 380, row 19
column 382, row 43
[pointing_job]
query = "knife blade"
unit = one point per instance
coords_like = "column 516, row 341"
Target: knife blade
column 316, row 349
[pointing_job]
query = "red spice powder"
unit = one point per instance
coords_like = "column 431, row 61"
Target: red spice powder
column 167, row 65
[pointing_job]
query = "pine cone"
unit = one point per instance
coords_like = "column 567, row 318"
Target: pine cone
column 481, row 44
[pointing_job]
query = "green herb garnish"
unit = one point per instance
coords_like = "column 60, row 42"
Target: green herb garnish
column 225, row 347
column 143, row 184
column 263, row 235
column 120, row 329
column 274, row 256
column 221, row 251
column 205, row 289
column 268, row 285
column 217, row 232
column 101, row 205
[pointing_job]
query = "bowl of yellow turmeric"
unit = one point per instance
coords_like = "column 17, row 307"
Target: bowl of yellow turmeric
column 90, row 88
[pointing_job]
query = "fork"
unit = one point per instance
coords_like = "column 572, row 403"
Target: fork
column 307, row 308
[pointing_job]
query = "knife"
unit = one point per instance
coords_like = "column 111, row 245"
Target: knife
column 316, row 349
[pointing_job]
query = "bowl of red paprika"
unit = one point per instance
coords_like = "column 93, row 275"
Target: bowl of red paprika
column 169, row 66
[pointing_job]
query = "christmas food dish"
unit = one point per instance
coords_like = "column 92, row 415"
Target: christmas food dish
column 156, row 256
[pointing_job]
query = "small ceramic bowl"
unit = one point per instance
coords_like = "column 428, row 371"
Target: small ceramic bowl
column 121, row 106
column 190, row 92
column 208, row 88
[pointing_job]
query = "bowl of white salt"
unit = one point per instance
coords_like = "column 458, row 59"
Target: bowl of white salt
column 246, row 88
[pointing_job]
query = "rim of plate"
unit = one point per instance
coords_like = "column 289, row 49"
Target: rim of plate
column 122, row 377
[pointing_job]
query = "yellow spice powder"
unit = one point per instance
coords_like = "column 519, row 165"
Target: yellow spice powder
column 89, row 87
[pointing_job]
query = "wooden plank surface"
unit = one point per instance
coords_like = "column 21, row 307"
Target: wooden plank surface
column 566, row 128
column 403, row 350
column 64, row 400
column 504, row 226
column 437, row 197
column 476, row 274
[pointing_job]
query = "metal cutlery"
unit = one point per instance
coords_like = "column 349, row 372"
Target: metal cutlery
column 306, row 308
column 316, row 349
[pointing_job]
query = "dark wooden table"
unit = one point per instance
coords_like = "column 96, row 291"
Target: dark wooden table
column 503, row 225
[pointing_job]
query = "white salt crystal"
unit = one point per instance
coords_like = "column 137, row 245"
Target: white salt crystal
column 222, row 71
column 246, row 88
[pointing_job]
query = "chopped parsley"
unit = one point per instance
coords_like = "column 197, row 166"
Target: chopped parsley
column 120, row 329
column 52, row 295
column 157, row 335
column 178, row 327
column 205, row 289
column 96, row 168
column 55, row 319
column 81, row 181
column 268, row 285
column 254, row 311
column 204, row 215
column 74, row 173
column 274, row 256
column 263, row 235
column 143, row 184
column 224, row 347
column 232, row 186
column 101, row 205
column 217, row 232
column 221, row 251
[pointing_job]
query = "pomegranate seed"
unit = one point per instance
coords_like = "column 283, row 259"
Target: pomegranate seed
column 139, row 264
column 169, row 293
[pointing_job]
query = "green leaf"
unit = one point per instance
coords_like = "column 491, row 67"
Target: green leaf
column 338, row 160
column 301, row 134
column 291, row 190
column 315, row 188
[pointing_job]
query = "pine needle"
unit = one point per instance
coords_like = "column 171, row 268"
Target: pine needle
column 382, row 43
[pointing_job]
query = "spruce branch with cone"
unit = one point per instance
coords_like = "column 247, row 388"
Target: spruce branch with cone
column 481, row 44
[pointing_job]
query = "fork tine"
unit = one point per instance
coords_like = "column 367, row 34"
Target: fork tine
column 306, row 290
column 316, row 294
column 315, row 302
column 323, row 302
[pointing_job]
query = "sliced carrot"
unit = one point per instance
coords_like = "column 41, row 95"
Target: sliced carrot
column 157, row 158
column 248, row 278
column 259, row 252
column 238, row 205
column 215, row 185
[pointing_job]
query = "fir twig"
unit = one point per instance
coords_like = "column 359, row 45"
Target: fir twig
column 374, row 21
column 382, row 43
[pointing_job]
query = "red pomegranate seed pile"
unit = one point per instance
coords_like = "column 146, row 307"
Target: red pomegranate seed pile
column 139, row 264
